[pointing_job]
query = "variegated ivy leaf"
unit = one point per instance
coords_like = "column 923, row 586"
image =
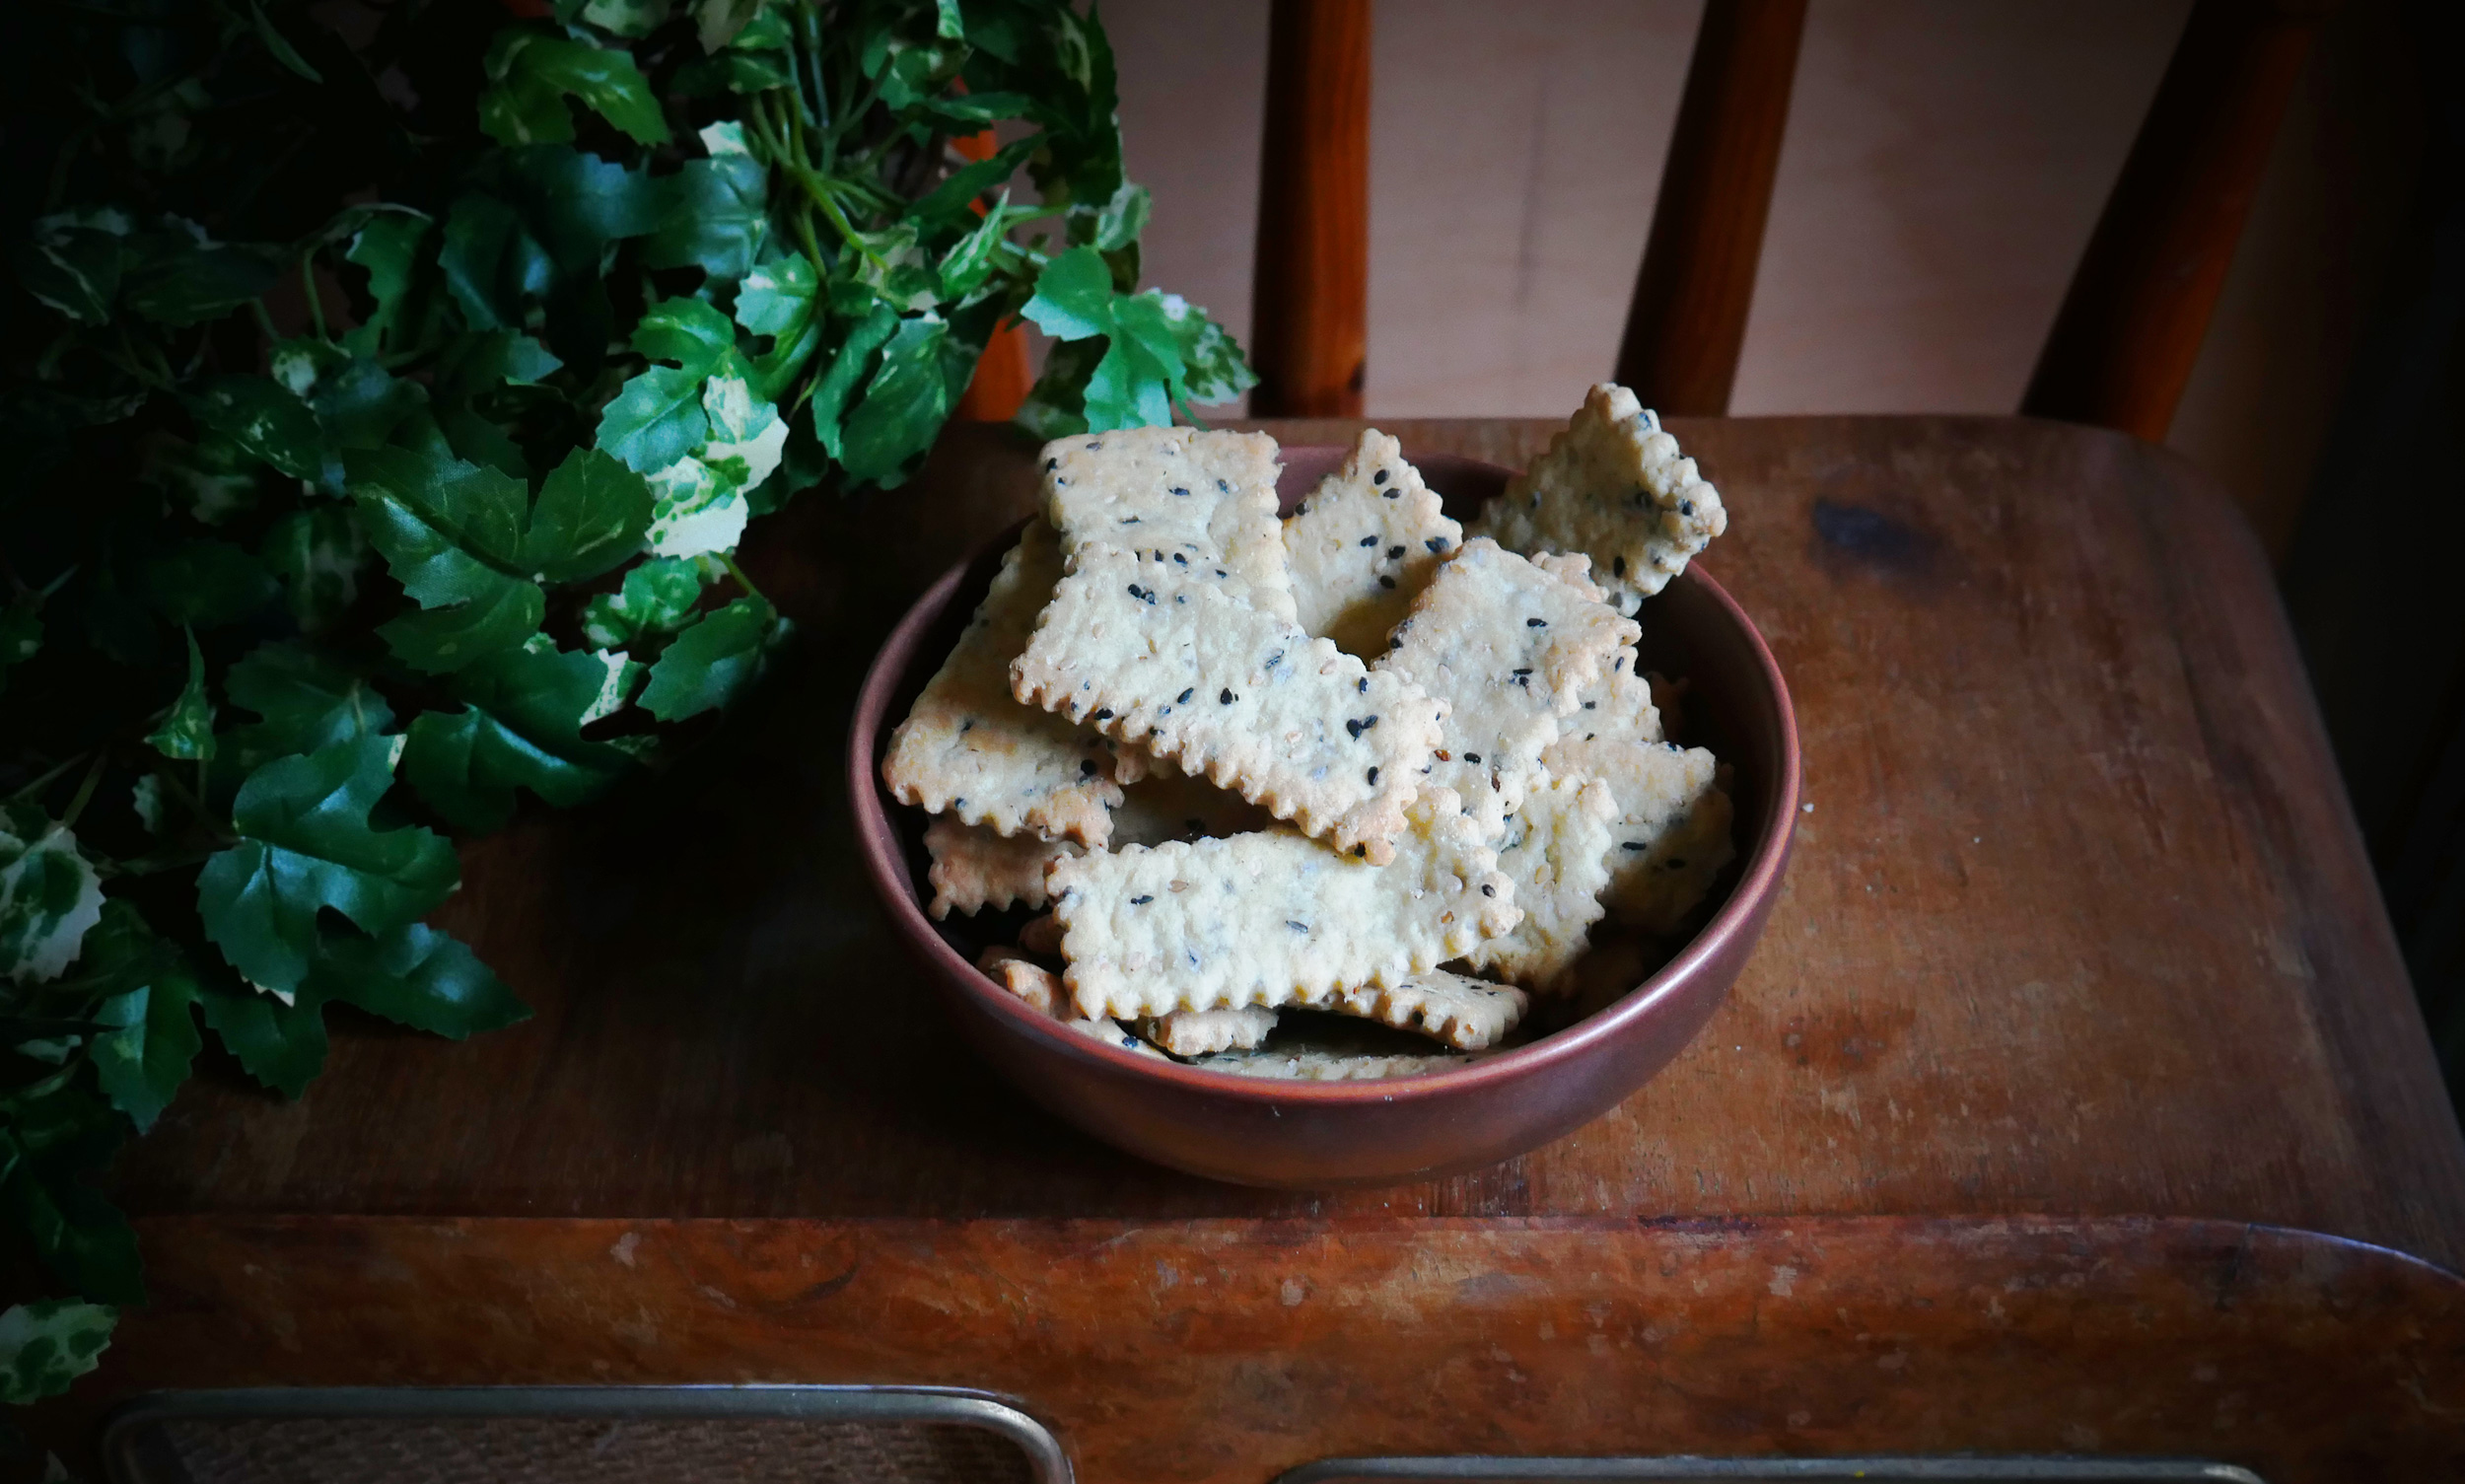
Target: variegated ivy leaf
column 656, row 597
column 317, row 553
column 50, row 896
column 188, row 732
column 45, row 1346
column 699, row 502
column 211, row 477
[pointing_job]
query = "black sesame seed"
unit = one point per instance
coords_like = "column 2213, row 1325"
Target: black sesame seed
column 1104, row 715
column 1537, row 623
column 1368, row 540
column 1362, row 685
column 1393, row 552
column 1297, row 927
column 1094, row 448
column 1130, row 1042
column 1051, row 465
column 1274, row 659
column 1524, row 670
column 1387, row 583
column 1185, row 494
column 1631, row 845
column 1183, row 698
column 1394, row 644
column 1129, row 519
column 1223, row 697
column 1374, row 777
column 1135, row 592
column 1141, row 901
column 1686, row 507
column 1361, row 850
column 1353, row 727
column 1223, row 487
column 1471, row 758
column 1178, row 557
column 1366, row 725
column 1489, row 891
column 1378, row 478
column 1435, row 543
column 1218, row 572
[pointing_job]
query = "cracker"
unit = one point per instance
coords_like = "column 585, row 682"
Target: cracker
column 1184, row 491
column 1557, row 853
column 1169, row 805
column 969, row 748
column 1509, row 648
column 1197, row 1032
column 1363, row 545
column 1311, row 1064
column 974, row 868
column 1041, row 936
column 1464, row 1013
column 1613, row 486
column 1618, row 704
column 1041, row 989
column 1673, row 826
column 1273, row 918
column 1173, row 658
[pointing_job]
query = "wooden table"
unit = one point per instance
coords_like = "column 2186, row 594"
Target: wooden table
column 2078, row 992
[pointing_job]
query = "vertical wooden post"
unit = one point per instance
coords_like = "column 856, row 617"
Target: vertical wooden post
column 2129, row 332
column 1688, row 319
column 1309, row 316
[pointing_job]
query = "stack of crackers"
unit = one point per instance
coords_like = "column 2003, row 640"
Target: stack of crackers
column 1335, row 796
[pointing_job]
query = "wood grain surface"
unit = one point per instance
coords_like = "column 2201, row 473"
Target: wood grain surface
column 1232, row 1350
column 2078, row 923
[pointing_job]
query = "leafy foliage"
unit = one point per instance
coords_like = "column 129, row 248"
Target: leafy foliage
column 391, row 387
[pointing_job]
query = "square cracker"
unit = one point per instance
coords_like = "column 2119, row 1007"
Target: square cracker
column 1197, row 1032
column 1274, row 918
column 1673, row 826
column 1175, row 658
column 974, row 868
column 1363, row 545
column 1464, row 1013
column 1613, row 486
column 1204, row 496
column 1510, row 647
column 1557, row 853
column 968, row 746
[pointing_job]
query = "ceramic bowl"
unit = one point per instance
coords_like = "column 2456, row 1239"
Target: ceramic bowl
column 1299, row 1134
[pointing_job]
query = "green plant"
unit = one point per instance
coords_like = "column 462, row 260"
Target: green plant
column 387, row 410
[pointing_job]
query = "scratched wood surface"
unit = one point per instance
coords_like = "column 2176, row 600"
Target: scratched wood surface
column 2077, row 924
column 1232, row 1350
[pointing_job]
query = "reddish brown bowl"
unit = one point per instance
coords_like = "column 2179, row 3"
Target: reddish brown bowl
column 1303, row 1134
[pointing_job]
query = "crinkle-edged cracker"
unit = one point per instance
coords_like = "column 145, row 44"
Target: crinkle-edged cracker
column 1311, row 1064
column 1509, row 648
column 1174, row 658
column 968, row 746
column 1363, row 545
column 1197, row 1032
column 1617, row 705
column 1614, row 486
column 1672, row 827
column 1274, row 918
column 1557, row 853
column 1041, row 989
column 1464, row 1013
column 1041, row 936
column 1196, row 494
column 974, row 868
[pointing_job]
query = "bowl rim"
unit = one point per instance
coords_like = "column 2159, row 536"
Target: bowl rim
column 874, row 826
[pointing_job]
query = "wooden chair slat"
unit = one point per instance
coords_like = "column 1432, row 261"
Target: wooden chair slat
column 1309, row 325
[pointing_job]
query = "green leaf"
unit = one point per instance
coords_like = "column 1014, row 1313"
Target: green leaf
column 687, row 331
column 453, row 534
column 388, row 247
column 777, row 297
column 188, row 732
column 72, row 263
column 959, row 191
column 207, row 582
column 183, row 277
column 1073, row 296
column 847, row 372
column 1122, row 219
column 305, row 845
column 715, row 216
column 282, row 49
column 947, row 22
column 48, row 1140
column 317, row 553
column 631, row 19
column 265, row 420
column 716, row 22
column 906, row 404
column 710, row 661
column 590, row 516
column 1213, row 368
column 657, row 596
column 532, row 75
column 45, row 1346
column 307, row 700
column 656, row 420
column 1120, row 396
column 359, row 404
column 418, row 977
column 280, row 1044
column 491, row 263
column 212, row 477
column 50, row 896
column 145, row 1055
column 521, row 727
column 1056, row 406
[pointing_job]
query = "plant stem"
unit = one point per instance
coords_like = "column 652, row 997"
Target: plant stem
column 744, row 580
column 48, row 777
column 308, row 286
column 85, row 791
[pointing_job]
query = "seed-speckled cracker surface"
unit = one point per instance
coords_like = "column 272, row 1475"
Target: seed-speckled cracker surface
column 1617, row 705
column 1269, row 919
column 1464, row 1013
column 1557, row 853
column 1041, row 989
column 1204, row 496
column 1177, row 660
column 1671, row 832
column 1509, row 648
column 1363, row 544
column 1614, row 486
column 974, row 868
column 971, row 749
column 1311, row 1064
column 1197, row 1032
